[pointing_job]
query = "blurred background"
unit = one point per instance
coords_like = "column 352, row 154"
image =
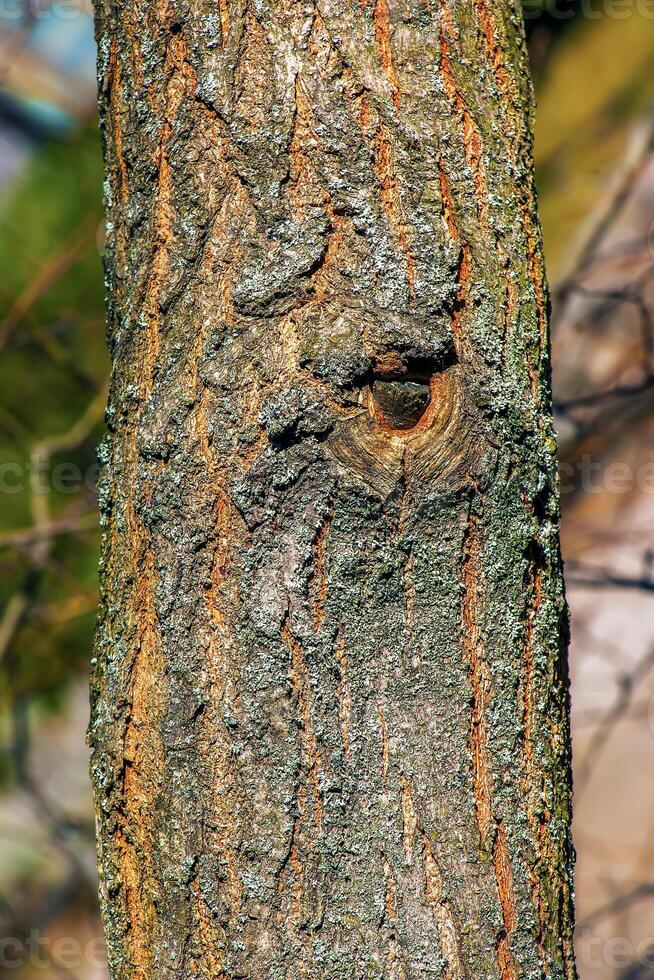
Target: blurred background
column 592, row 62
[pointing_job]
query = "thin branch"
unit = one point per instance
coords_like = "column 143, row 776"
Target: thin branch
column 586, row 576
column 53, row 269
column 41, row 545
column 28, row 536
column 618, row 904
column 598, row 397
column 627, row 685
column 637, row 157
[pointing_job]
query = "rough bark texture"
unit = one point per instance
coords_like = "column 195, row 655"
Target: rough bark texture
column 330, row 698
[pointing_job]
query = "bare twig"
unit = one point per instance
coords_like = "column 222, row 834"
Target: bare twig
column 627, row 685
column 618, row 904
column 639, row 152
column 41, row 543
column 586, row 576
column 50, row 272
column 68, row 524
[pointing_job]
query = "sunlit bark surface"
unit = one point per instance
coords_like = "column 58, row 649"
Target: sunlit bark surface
column 330, row 696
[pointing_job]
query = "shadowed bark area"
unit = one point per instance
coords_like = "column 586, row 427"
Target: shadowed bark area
column 329, row 717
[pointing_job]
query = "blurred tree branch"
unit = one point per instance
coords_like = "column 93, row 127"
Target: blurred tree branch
column 52, row 270
column 41, row 532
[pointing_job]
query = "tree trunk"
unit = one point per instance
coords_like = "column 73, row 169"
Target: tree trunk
column 329, row 719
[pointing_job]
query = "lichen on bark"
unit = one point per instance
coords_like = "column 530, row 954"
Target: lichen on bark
column 329, row 723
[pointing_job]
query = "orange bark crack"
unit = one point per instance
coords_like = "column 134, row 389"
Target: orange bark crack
column 181, row 81
column 223, row 12
column 295, row 860
column 321, row 280
column 448, row 202
column 465, row 259
column 409, row 820
column 143, row 761
column 504, row 879
column 385, row 166
column 301, row 176
column 442, row 914
column 482, row 775
column 115, row 78
column 495, row 53
column 385, row 49
column 537, row 276
column 463, row 279
column 470, row 134
column 396, row 970
column 215, row 743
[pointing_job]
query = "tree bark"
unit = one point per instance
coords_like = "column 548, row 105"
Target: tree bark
column 330, row 720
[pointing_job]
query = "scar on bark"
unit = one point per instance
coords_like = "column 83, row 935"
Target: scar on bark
column 403, row 396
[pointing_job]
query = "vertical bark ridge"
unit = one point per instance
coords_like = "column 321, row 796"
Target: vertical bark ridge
column 504, row 878
column 445, row 923
column 300, row 684
column 142, row 766
column 344, row 697
column 472, row 580
column 469, row 131
column 385, row 48
column 391, row 199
